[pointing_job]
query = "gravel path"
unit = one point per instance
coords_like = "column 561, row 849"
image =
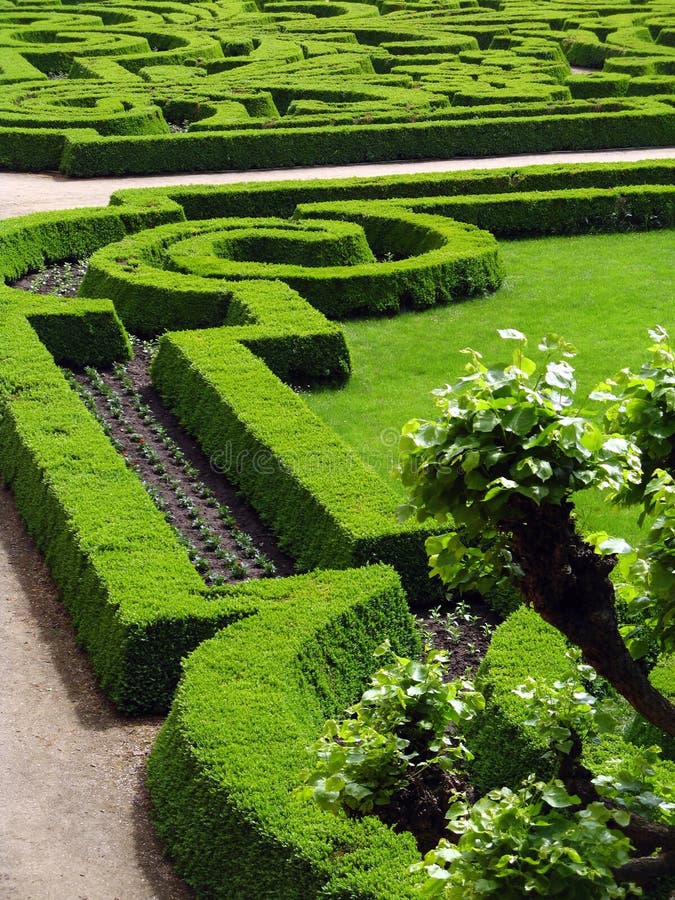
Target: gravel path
column 75, row 823
column 22, row 193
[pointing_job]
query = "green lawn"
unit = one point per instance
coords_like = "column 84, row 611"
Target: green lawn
column 601, row 292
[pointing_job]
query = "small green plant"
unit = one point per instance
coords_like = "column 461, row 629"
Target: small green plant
column 409, row 717
column 528, row 842
column 566, row 710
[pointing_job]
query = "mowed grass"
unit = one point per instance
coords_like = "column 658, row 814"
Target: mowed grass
column 601, row 292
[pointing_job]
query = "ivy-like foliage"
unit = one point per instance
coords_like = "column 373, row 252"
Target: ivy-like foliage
column 502, row 462
column 502, row 433
column 401, row 723
column 646, row 572
column 642, row 405
column 514, row 844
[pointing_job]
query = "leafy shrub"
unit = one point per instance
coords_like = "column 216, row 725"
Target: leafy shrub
column 400, row 723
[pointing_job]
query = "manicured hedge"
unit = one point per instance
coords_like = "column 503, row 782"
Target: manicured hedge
column 136, row 602
column 327, row 507
column 29, row 242
column 281, row 198
column 105, row 90
column 433, row 260
column 223, row 770
column 84, row 156
column 561, row 212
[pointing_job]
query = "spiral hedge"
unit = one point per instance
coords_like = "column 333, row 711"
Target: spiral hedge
column 95, row 89
column 202, row 267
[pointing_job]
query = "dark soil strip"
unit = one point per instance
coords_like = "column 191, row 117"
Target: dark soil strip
column 223, row 535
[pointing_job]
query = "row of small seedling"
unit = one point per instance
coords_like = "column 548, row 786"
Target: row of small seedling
column 62, row 279
column 458, row 627
column 219, row 554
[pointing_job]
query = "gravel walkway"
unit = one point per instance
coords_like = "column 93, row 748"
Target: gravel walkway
column 74, row 824
column 22, row 193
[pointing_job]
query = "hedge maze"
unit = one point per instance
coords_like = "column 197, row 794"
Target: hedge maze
column 245, row 286
column 94, row 89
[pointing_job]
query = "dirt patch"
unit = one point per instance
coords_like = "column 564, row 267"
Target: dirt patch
column 223, row 535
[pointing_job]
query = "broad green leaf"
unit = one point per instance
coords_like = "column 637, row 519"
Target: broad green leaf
column 520, row 420
column 555, row 795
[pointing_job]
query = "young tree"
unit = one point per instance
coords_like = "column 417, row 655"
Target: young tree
column 502, row 462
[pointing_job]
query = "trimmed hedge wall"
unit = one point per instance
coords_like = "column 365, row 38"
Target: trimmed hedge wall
column 185, row 86
column 281, row 198
column 327, row 507
column 560, row 212
column 137, row 604
column 222, row 772
column 85, row 156
column 29, row 242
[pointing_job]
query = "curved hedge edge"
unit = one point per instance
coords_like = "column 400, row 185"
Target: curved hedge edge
column 29, row 242
column 223, row 769
column 290, row 465
column 651, row 124
column 634, row 208
column 505, row 749
column 436, row 260
column 280, row 198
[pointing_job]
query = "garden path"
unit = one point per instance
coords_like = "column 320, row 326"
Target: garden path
column 21, row 193
column 74, row 823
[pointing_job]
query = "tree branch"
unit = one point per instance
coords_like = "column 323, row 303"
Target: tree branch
column 646, row 869
column 567, row 583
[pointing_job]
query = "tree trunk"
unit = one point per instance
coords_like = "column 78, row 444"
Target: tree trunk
column 567, row 583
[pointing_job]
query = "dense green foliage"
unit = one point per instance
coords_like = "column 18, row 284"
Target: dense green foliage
column 223, row 770
column 398, row 727
column 291, row 467
column 262, row 198
column 107, row 546
column 109, row 89
column 139, row 607
column 515, row 843
column 173, row 276
column 504, row 433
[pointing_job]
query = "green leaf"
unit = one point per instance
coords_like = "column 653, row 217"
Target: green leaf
column 486, row 420
column 555, row 795
column 520, row 420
